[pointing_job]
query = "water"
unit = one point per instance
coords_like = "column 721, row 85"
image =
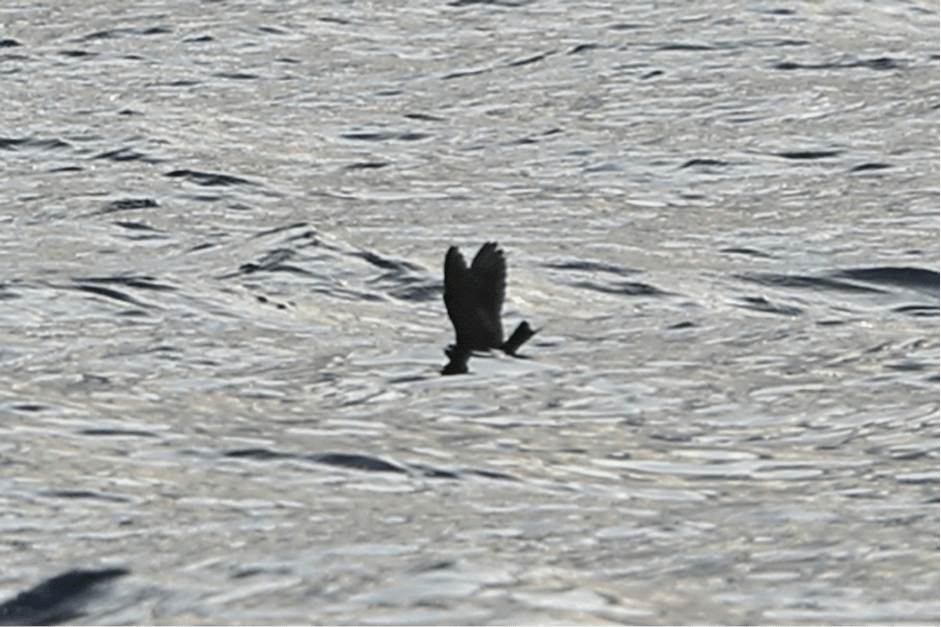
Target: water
column 222, row 228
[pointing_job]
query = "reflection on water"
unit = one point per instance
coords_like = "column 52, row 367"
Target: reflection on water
column 223, row 319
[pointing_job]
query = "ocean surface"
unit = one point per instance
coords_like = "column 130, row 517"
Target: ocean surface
column 222, row 231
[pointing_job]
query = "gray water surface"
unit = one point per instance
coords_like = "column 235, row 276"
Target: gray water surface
column 222, row 227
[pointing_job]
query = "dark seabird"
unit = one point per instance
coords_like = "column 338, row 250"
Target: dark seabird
column 474, row 298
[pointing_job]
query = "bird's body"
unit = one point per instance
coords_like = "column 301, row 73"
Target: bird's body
column 474, row 297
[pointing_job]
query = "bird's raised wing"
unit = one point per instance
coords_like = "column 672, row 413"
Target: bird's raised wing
column 489, row 270
column 474, row 296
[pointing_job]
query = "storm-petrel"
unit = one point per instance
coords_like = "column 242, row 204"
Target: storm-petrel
column 474, row 298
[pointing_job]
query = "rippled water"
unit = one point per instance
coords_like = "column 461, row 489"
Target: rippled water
column 222, row 227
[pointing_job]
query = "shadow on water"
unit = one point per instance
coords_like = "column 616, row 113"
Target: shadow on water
column 896, row 282
column 58, row 600
column 367, row 463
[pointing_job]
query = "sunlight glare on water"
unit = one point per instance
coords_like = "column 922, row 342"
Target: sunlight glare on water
column 222, row 230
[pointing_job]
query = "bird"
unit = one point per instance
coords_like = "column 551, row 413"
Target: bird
column 474, row 297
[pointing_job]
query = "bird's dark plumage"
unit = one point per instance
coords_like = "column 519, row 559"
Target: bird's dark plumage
column 474, row 298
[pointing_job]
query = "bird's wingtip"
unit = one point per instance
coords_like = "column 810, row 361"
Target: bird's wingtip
column 520, row 336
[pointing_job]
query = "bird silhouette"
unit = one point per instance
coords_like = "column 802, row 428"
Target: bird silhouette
column 474, row 297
